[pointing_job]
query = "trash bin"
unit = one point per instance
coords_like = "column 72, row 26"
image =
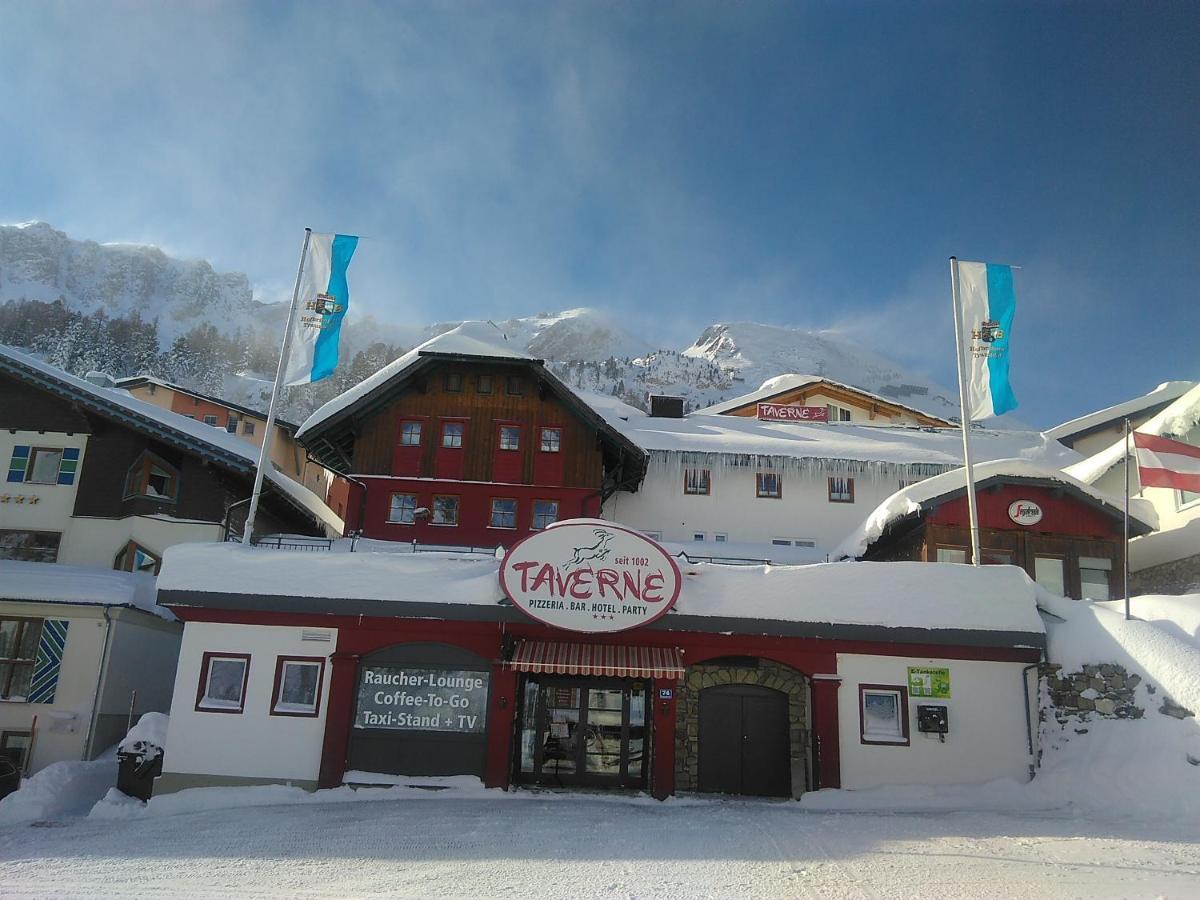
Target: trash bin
column 137, row 768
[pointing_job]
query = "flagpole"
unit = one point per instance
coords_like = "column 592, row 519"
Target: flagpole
column 965, row 418
column 264, row 456
column 1126, row 564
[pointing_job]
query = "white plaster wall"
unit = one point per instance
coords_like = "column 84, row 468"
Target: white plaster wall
column 96, row 541
column 143, row 656
column 55, row 502
column 61, row 725
column 987, row 737
column 803, row 512
column 252, row 744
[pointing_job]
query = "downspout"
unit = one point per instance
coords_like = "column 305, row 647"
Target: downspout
column 1028, row 717
column 91, row 732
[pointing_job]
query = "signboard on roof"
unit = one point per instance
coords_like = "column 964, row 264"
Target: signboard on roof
column 779, row 412
column 1024, row 512
column 592, row 576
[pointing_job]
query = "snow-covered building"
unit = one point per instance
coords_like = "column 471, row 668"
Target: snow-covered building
column 467, row 441
column 792, row 395
column 1096, row 431
column 733, row 479
column 1168, row 560
column 248, row 424
column 1067, row 536
column 96, row 477
column 84, row 650
column 367, row 667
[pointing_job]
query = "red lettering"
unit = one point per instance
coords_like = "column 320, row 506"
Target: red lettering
column 580, row 589
column 608, row 578
column 545, row 575
column 652, row 588
column 632, row 587
column 523, row 568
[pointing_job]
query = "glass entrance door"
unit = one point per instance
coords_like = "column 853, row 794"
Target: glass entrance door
column 583, row 731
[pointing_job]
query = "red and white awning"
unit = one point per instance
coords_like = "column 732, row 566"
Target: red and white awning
column 614, row 661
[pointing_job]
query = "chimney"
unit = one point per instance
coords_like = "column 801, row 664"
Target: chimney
column 664, row 407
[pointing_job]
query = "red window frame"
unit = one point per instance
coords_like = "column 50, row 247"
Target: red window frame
column 862, row 719
column 533, row 515
column 202, row 684
column 280, row 661
column 462, row 438
column 492, row 513
column 388, row 520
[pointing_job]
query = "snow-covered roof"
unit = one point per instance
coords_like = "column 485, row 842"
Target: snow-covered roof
column 780, row 384
column 1180, row 417
column 1164, row 393
column 482, row 340
column 929, row 598
column 910, row 500
column 226, row 447
column 55, row 583
column 741, row 436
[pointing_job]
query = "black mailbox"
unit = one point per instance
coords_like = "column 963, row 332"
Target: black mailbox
column 932, row 719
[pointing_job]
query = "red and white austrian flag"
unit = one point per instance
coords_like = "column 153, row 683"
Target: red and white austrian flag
column 1163, row 462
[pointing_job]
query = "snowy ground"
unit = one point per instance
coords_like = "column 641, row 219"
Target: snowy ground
column 582, row 846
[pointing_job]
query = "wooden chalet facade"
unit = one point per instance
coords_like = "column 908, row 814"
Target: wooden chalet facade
column 843, row 402
column 469, row 449
column 127, row 481
column 1067, row 540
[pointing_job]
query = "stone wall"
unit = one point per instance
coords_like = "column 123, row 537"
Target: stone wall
column 766, row 674
column 1102, row 690
column 1181, row 576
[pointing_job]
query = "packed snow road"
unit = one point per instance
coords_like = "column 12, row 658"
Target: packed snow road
column 594, row 847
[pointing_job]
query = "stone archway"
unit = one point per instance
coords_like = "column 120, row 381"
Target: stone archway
column 748, row 671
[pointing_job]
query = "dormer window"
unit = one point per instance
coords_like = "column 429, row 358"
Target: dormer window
column 152, row 477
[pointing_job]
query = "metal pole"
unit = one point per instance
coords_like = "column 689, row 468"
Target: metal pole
column 264, row 456
column 132, row 707
column 972, row 508
column 1126, row 564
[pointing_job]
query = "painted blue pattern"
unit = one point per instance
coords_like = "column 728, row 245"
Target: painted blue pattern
column 49, row 661
column 1002, row 306
column 18, row 464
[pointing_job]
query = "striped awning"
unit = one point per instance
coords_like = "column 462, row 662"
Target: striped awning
column 614, row 661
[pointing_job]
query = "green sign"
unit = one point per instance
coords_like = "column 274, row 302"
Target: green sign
column 924, row 681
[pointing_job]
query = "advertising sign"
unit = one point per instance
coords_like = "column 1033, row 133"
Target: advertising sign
column 1024, row 512
column 778, row 412
column 422, row 699
column 925, row 681
column 590, row 575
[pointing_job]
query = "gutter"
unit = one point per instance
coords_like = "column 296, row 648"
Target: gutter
column 100, row 669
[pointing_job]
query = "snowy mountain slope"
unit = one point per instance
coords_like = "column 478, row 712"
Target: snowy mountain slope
column 587, row 348
column 39, row 263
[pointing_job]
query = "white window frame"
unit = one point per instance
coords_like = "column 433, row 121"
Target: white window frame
column 411, row 520
column 434, row 510
column 899, row 737
column 516, row 509
column 281, row 707
column 205, row 703
column 557, row 508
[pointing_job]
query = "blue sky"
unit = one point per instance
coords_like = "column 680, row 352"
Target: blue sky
column 806, row 164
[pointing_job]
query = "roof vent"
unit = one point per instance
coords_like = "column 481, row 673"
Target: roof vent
column 311, row 635
column 664, row 407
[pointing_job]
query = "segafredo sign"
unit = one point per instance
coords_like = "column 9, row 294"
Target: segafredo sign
column 590, row 575
column 1024, row 512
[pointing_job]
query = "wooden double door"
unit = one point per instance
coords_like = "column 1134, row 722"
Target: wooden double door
column 745, row 745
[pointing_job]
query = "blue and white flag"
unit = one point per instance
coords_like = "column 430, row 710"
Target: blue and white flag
column 987, row 305
column 323, row 299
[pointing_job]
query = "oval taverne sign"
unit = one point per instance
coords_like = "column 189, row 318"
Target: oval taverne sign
column 590, row 575
column 1024, row 512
